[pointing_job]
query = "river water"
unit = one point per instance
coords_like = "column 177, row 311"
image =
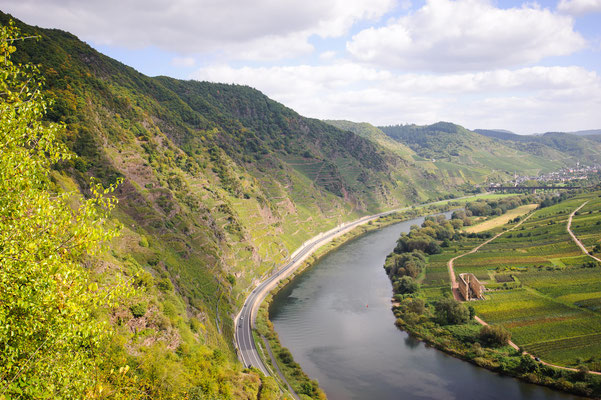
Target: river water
column 336, row 319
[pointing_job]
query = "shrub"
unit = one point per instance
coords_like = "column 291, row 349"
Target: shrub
column 143, row 242
column 165, row 285
column 406, row 285
column 494, row 336
column 449, row 311
column 417, row 306
column 138, row 310
column 285, row 356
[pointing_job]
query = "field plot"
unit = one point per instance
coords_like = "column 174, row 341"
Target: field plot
column 587, row 348
column 586, row 224
column 542, row 288
column 501, row 219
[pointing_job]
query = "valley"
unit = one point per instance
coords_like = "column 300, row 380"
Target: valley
column 146, row 221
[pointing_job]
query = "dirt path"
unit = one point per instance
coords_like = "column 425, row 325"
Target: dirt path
column 574, row 238
column 455, row 286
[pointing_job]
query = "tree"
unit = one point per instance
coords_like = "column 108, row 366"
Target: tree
column 527, row 364
column 472, row 311
column 449, row 311
column 417, row 306
column 494, row 336
column 49, row 335
column 406, row 285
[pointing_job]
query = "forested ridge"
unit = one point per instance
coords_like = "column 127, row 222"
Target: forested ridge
column 138, row 212
column 211, row 185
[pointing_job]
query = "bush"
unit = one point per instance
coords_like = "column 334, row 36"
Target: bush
column 417, row 306
column 406, row 285
column 494, row 336
column 449, row 311
column 138, row 310
column 143, row 241
column 165, row 285
column 285, row 356
column 527, row 364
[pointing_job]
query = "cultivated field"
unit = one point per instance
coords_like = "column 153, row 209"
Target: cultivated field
column 501, row 219
column 541, row 287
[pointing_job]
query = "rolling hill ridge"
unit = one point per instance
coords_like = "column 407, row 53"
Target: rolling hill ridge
column 220, row 184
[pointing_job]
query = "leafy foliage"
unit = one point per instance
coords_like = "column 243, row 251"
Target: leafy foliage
column 451, row 312
column 49, row 332
column 494, row 336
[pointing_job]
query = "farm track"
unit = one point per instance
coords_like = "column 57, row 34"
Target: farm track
column 574, row 238
column 455, row 286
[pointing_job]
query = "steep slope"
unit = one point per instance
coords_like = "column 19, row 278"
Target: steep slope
column 374, row 134
column 420, row 173
column 220, row 184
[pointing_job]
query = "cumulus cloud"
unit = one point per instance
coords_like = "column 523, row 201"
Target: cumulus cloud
column 240, row 28
column 466, row 35
column 526, row 100
column 579, row 7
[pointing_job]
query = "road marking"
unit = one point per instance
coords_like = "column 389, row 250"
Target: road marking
column 252, row 303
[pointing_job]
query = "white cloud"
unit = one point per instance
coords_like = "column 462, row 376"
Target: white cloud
column 183, row 62
column 327, row 55
column 239, row 28
column 526, row 100
column 579, row 7
column 466, row 35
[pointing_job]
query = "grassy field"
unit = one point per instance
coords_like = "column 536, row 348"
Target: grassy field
column 541, row 287
column 501, row 219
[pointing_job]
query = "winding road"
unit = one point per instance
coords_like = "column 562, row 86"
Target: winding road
column 244, row 322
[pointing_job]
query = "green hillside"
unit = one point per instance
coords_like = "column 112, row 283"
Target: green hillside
column 219, row 185
column 583, row 148
column 374, row 134
column 452, row 145
column 420, row 174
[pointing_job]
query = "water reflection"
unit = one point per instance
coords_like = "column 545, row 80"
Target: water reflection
column 336, row 320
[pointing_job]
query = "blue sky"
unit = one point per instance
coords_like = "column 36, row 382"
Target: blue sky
column 525, row 66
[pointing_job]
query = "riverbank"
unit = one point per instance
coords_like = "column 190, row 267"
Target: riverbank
column 248, row 352
column 420, row 312
column 462, row 343
column 293, row 373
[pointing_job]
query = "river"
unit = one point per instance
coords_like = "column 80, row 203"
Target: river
column 336, row 319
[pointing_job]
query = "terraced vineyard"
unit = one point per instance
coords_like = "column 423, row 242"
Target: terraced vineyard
column 541, row 287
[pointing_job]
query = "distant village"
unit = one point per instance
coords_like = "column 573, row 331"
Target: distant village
column 562, row 176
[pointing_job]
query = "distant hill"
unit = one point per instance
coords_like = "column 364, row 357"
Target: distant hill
column 453, row 146
column 501, row 134
column 580, row 147
column 586, row 132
